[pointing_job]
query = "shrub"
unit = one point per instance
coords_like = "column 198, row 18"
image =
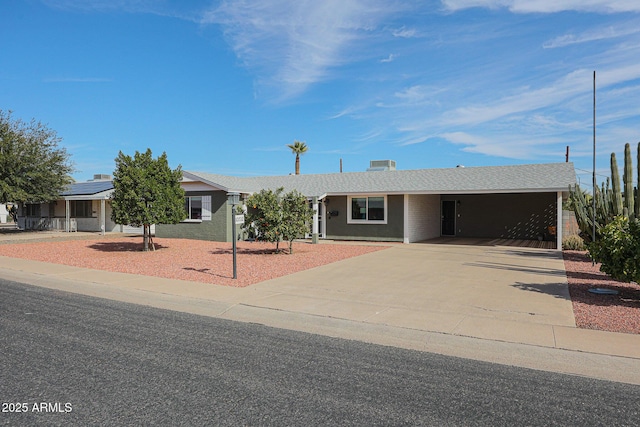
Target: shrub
column 618, row 249
column 573, row 243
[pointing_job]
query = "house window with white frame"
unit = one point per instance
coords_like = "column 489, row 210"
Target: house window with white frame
column 198, row 208
column 193, row 206
column 367, row 209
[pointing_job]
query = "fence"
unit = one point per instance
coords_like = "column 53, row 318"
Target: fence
column 54, row 224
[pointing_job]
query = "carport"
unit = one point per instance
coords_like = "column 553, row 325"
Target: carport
column 520, row 203
column 518, row 216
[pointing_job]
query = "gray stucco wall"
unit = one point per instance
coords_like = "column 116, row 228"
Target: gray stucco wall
column 218, row 229
column 511, row 216
column 338, row 229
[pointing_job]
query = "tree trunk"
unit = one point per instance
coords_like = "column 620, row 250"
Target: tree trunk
column 145, row 238
column 297, row 164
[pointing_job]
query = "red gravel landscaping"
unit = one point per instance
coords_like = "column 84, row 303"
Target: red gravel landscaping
column 193, row 260
column 614, row 313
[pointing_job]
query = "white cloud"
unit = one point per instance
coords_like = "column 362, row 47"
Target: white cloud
column 514, row 146
column 604, row 33
column 405, row 33
column 412, row 94
column 529, row 100
column 388, row 59
column 293, row 44
column 547, row 6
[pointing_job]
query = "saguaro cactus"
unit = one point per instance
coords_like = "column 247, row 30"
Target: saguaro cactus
column 637, row 192
column 609, row 199
column 615, row 186
column 629, row 194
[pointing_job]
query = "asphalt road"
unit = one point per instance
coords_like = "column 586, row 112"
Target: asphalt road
column 67, row 359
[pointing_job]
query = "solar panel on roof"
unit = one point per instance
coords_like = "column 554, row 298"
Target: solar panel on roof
column 86, row 188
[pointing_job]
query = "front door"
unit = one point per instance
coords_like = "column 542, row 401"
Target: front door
column 448, row 218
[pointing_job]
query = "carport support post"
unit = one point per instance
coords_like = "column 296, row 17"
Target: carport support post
column 405, row 229
column 314, row 225
column 559, row 223
column 103, row 220
column 67, row 216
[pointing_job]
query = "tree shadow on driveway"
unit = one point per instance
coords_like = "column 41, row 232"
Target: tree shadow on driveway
column 520, row 268
column 556, row 290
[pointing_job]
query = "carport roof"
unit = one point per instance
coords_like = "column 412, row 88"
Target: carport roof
column 549, row 177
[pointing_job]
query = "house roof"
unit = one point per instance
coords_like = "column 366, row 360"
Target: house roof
column 550, row 177
column 88, row 188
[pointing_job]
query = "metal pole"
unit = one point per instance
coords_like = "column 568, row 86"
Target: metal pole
column 594, row 157
column 233, row 231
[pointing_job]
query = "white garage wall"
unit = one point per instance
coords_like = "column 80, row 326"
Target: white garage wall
column 423, row 217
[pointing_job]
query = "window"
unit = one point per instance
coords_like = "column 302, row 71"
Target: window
column 198, row 208
column 80, row 208
column 193, row 205
column 32, row 210
column 364, row 209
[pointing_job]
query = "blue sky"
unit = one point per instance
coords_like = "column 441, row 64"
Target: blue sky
column 223, row 86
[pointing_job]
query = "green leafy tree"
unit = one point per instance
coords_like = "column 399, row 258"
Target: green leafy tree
column 618, row 249
column 146, row 191
column 273, row 216
column 296, row 217
column 33, row 168
column 264, row 216
column 298, row 148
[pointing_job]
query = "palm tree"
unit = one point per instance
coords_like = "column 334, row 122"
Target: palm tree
column 298, row 148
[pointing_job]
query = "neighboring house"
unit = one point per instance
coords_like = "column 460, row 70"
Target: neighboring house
column 4, row 214
column 84, row 206
column 384, row 204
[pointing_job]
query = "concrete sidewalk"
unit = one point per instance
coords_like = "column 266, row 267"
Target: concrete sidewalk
column 507, row 305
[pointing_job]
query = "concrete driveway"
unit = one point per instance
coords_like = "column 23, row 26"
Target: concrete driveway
column 487, row 292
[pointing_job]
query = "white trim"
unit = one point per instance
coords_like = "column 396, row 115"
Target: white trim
column 67, row 215
column 203, row 206
column 104, row 195
column 367, row 221
column 559, row 223
column 188, row 177
column 315, row 207
column 450, row 192
column 103, row 217
column 206, row 208
column 405, row 230
column 323, row 214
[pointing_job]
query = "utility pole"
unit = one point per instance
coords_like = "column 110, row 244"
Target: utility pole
column 594, row 157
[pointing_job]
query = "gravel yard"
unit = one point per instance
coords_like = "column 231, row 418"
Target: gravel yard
column 615, row 313
column 194, row 260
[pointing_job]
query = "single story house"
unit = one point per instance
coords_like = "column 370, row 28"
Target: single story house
column 380, row 204
column 385, row 204
column 84, row 206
